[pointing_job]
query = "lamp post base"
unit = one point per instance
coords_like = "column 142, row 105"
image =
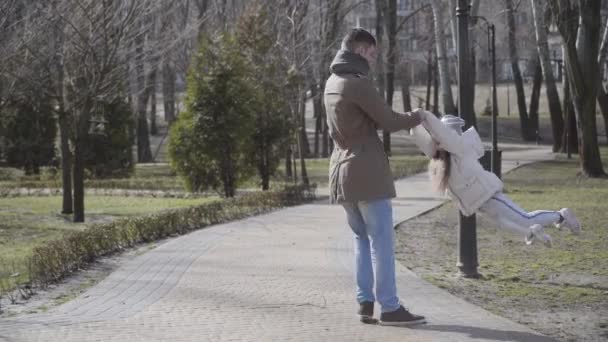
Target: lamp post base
column 469, row 273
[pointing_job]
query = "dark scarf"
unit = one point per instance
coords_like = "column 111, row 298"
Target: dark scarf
column 347, row 62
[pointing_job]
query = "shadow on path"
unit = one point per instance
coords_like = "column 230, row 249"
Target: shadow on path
column 487, row 334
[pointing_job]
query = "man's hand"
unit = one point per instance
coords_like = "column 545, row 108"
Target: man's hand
column 418, row 115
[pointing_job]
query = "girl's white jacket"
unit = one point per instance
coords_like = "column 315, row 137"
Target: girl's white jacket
column 468, row 184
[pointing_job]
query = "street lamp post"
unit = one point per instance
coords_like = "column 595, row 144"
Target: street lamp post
column 495, row 159
column 467, row 234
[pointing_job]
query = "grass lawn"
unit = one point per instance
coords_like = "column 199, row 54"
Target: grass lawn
column 26, row 222
column 160, row 177
column 318, row 169
column 560, row 291
column 145, row 177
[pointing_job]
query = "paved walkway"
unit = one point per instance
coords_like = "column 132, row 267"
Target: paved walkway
column 284, row 276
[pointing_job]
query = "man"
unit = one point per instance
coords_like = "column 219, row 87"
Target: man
column 360, row 176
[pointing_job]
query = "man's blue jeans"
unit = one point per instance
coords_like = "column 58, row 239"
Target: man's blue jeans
column 372, row 223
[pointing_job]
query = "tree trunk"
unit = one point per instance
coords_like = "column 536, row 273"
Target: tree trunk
column 325, row 139
column 66, row 154
column 444, row 69
column 472, row 79
column 603, row 48
column 318, row 113
column 435, row 73
column 303, row 171
column 380, row 73
column 526, row 132
column 587, row 50
column 582, row 68
column 570, row 135
column 534, row 99
column 66, row 163
column 228, row 172
column 454, row 23
column 303, row 139
column 405, row 91
column 264, row 169
column 305, row 148
column 202, row 6
column 67, row 206
column 81, row 134
column 169, row 92
column 295, row 162
column 555, row 109
column 472, row 117
column 429, row 81
column 78, row 182
column 288, row 156
column 152, row 90
column 144, row 153
column 602, row 99
column 329, row 29
column 391, row 61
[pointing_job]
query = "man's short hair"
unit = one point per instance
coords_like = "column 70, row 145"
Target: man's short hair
column 357, row 37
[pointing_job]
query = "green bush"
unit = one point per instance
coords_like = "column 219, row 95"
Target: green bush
column 29, row 130
column 272, row 89
column 110, row 153
column 56, row 259
column 8, row 174
column 208, row 144
column 50, row 173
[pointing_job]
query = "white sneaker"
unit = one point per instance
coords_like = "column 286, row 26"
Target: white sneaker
column 570, row 221
column 538, row 232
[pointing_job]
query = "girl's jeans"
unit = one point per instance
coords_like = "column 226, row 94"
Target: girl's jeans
column 372, row 223
column 510, row 216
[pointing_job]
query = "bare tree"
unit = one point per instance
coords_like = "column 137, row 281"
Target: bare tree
column 64, row 124
column 154, row 66
column 602, row 97
column 391, row 61
column 527, row 130
column 297, row 13
column 474, row 12
column 431, row 76
column 331, row 20
column 404, row 79
column 96, row 35
column 380, row 25
column 442, row 57
column 202, row 6
column 178, row 39
column 144, row 153
column 570, row 136
column 537, row 82
column 32, row 67
column 581, row 56
column 555, row 109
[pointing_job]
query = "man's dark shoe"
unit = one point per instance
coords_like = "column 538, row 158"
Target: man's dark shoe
column 366, row 313
column 400, row 317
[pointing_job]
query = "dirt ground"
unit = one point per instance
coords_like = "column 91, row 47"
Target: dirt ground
column 570, row 306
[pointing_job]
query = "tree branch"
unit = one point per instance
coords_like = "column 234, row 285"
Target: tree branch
column 409, row 16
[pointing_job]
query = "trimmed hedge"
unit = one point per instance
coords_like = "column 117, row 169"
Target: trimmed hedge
column 58, row 258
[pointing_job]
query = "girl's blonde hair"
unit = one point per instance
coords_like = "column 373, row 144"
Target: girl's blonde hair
column 439, row 171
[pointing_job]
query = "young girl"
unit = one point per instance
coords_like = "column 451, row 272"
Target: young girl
column 454, row 169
